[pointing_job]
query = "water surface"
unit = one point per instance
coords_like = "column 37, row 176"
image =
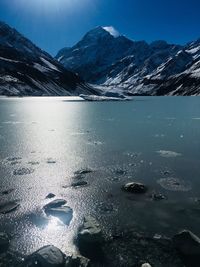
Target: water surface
column 44, row 141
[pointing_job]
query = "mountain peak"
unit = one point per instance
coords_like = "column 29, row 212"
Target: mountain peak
column 101, row 32
column 112, row 31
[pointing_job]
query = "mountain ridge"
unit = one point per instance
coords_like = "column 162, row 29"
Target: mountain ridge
column 135, row 67
column 25, row 69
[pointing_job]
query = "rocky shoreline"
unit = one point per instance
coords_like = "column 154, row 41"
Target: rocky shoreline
column 123, row 247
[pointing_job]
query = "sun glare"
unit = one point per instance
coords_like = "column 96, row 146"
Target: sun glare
column 48, row 6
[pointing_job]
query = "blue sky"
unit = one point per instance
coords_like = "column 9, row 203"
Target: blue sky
column 54, row 24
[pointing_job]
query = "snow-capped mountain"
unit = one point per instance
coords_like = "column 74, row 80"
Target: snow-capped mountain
column 27, row 70
column 116, row 63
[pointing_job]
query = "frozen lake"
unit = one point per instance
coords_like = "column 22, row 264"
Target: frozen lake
column 44, row 141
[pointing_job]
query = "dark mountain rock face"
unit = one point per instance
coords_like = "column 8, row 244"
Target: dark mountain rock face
column 27, row 70
column 117, row 63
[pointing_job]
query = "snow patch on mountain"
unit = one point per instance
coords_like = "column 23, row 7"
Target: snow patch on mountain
column 110, row 60
column 112, row 31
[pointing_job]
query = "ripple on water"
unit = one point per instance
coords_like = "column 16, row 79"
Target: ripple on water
column 168, row 154
column 174, row 184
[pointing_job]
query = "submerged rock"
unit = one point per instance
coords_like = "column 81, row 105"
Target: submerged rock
column 13, row 159
column 8, row 191
column 51, row 161
column 158, row 196
column 48, row 256
column 187, row 243
column 136, row 188
column 79, row 183
column 23, row 171
column 168, row 154
column 83, row 171
column 33, row 163
column 7, row 207
column 120, row 172
column 90, row 232
column 4, row 242
column 174, row 184
column 105, row 207
column 77, row 261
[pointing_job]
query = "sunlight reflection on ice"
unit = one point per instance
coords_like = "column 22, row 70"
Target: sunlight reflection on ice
column 54, row 222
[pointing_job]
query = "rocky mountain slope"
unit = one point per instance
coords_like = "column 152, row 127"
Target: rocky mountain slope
column 116, row 63
column 27, row 70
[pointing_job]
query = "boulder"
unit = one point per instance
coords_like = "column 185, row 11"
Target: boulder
column 77, row 261
column 136, row 188
column 50, row 195
column 187, row 243
column 90, row 240
column 90, row 232
column 4, row 242
column 146, row 265
column 48, row 256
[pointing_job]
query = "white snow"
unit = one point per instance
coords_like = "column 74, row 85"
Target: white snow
column 112, row 31
column 101, row 98
column 49, row 64
column 193, row 50
column 8, row 78
column 9, row 60
column 60, row 58
column 41, row 68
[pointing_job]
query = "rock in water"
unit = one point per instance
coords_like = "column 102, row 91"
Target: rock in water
column 187, row 243
column 48, row 256
column 50, row 195
column 77, row 261
column 90, row 231
column 8, row 191
column 90, row 240
column 4, row 242
column 55, row 204
column 83, row 171
column 65, row 214
column 136, row 188
column 174, row 184
column 8, row 206
column 57, row 209
column 146, row 265
column 79, row 183
column 23, row 171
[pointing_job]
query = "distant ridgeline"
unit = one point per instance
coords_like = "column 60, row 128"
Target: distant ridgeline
column 104, row 58
column 116, row 63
